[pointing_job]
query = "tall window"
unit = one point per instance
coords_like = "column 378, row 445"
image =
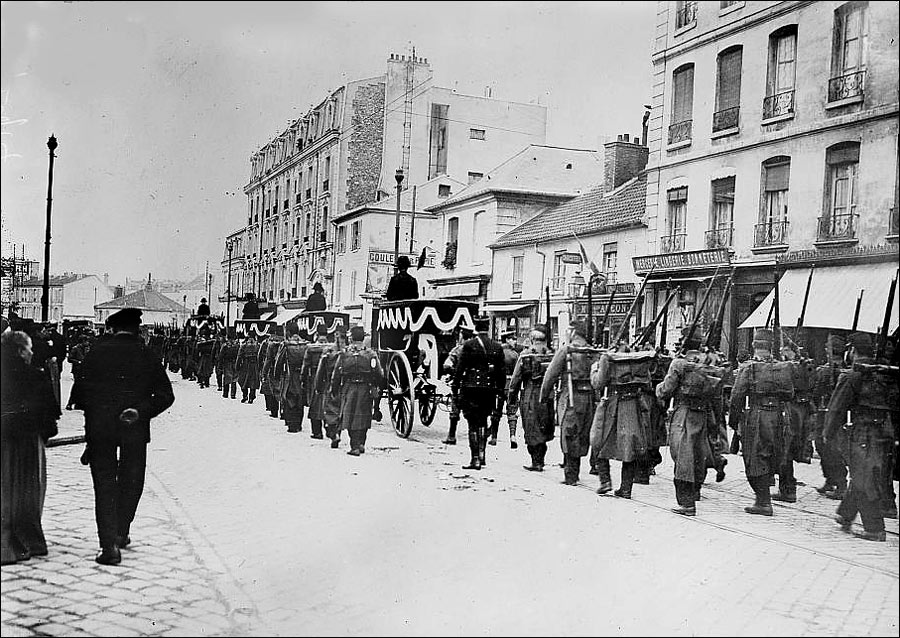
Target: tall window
column 352, row 285
column 308, row 226
column 682, row 104
column 676, row 219
column 518, row 269
column 781, row 77
column 722, row 213
column 842, row 161
column 773, row 225
column 342, row 239
column 849, row 51
column 610, row 262
column 685, row 13
column 477, row 228
column 337, row 285
column 559, row 272
column 728, row 89
column 452, row 230
column 354, row 237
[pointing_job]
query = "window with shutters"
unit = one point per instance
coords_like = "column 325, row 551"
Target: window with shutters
column 676, row 218
column 781, row 78
column 849, row 52
column 352, row 285
column 772, row 228
column 342, row 239
column 559, row 272
column 338, row 280
column 728, row 90
column 840, row 218
column 518, row 269
column 719, row 234
column 682, row 105
column 354, row 236
column 610, row 262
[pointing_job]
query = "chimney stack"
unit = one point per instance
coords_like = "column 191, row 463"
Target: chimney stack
column 622, row 161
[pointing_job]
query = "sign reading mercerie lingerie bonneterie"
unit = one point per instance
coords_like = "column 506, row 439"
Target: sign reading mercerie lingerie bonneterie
column 679, row 261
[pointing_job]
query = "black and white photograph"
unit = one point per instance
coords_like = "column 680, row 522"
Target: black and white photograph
column 450, row 318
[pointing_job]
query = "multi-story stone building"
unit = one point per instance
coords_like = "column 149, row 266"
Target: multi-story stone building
column 344, row 153
column 773, row 147
column 72, row 296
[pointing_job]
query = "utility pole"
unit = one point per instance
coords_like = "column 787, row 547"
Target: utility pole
column 399, row 177
column 45, row 297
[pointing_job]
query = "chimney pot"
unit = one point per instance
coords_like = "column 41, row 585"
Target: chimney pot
column 627, row 137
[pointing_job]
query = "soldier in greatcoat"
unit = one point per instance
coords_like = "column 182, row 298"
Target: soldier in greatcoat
column 834, row 469
column 796, row 435
column 268, row 385
column 331, row 401
column 693, row 390
column 575, row 403
column 762, row 389
column 287, row 369
column 228, row 365
column 314, row 399
column 205, row 362
column 525, row 390
column 510, row 356
column 247, row 367
column 479, row 378
column 869, row 393
column 359, row 376
column 622, row 423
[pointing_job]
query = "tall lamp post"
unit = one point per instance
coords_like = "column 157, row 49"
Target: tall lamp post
column 228, row 289
column 45, row 296
column 590, row 306
column 399, row 177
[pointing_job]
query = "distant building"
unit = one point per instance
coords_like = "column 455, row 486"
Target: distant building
column 157, row 308
column 343, row 154
column 72, row 296
column 773, row 148
column 13, row 271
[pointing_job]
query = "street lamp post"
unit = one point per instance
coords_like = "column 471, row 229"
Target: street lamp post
column 590, row 309
column 399, row 177
column 45, row 297
column 228, row 289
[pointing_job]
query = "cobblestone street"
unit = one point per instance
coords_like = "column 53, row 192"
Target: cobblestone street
column 247, row 530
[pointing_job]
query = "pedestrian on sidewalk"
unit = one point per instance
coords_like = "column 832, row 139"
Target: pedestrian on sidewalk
column 124, row 386
column 29, row 416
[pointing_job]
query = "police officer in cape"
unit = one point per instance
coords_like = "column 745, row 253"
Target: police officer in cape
column 575, row 403
column 525, row 389
column 359, row 376
column 123, row 386
column 478, row 380
column 860, row 409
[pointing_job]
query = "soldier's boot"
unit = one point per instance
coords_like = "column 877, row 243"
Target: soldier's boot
column 721, row 462
column 573, row 469
column 537, row 460
column 787, row 490
column 642, row 472
column 512, row 433
column 482, row 445
column 602, row 466
column 628, row 471
column 451, row 435
column 763, row 502
column 252, row 396
column 684, row 495
column 243, row 395
column 495, row 427
column 316, row 425
column 474, row 449
column 225, row 392
column 234, row 390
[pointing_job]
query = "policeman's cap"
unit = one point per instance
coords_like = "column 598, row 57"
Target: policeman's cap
column 125, row 318
column 861, row 342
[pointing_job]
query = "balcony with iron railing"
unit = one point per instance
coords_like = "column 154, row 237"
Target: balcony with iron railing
column 778, row 106
column 686, row 15
column 726, row 119
column 673, row 243
column 680, row 133
column 719, row 237
column 772, row 234
column 838, row 228
column 847, row 87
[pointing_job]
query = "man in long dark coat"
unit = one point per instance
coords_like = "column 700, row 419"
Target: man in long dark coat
column 834, row 469
column 402, row 285
column 247, row 367
column 525, row 390
column 510, row 356
column 268, row 383
column 287, row 369
column 359, row 376
column 228, row 365
column 331, row 400
column 123, row 387
column 314, row 400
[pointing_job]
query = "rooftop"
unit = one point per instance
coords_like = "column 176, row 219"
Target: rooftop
column 145, row 300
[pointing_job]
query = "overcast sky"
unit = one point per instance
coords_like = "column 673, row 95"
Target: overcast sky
column 158, row 106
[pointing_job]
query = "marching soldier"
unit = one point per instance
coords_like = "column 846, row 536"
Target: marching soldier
column 510, row 356
column 621, row 426
column 216, row 357
column 693, row 391
column 227, row 364
column 247, row 367
column 833, row 467
column 524, row 391
column 480, row 376
column 861, row 404
column 575, row 404
column 314, row 399
column 797, row 434
column 450, row 365
column 205, row 345
column 762, row 388
column 331, row 403
column 287, row 369
column 268, row 385
column 359, row 376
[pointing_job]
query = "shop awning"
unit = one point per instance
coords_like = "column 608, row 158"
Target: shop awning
column 832, row 298
column 511, row 307
column 285, row 316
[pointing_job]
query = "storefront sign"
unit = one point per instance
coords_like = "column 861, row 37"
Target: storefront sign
column 570, row 258
column 386, row 257
column 598, row 307
column 681, row 261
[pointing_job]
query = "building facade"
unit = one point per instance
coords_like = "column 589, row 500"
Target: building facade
column 72, row 297
column 157, row 309
column 773, row 147
column 344, row 153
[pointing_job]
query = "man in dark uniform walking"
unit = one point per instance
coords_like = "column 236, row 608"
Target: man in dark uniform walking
column 123, row 386
column 402, row 285
column 287, row 367
column 834, row 469
column 313, row 398
column 479, row 379
column 359, row 376
column 510, row 356
column 524, row 391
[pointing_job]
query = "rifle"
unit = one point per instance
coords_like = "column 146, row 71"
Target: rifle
column 637, row 297
column 651, row 329
column 606, row 313
column 805, row 301
column 714, row 337
column 699, row 311
column 856, row 311
column 776, row 326
column 886, row 324
column 664, row 328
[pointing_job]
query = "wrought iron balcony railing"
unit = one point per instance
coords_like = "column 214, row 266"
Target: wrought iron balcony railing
column 771, row 234
column 672, row 243
column 719, row 237
column 838, row 227
column 726, row 119
column 686, row 15
column 846, row 86
column 680, row 132
column 778, row 104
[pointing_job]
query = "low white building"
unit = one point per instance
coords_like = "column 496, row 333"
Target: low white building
column 157, row 308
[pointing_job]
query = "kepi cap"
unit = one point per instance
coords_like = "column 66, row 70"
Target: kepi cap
column 125, row 318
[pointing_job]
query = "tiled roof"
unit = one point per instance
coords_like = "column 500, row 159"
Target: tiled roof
column 55, row 280
column 550, row 170
column 586, row 214
column 145, row 300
